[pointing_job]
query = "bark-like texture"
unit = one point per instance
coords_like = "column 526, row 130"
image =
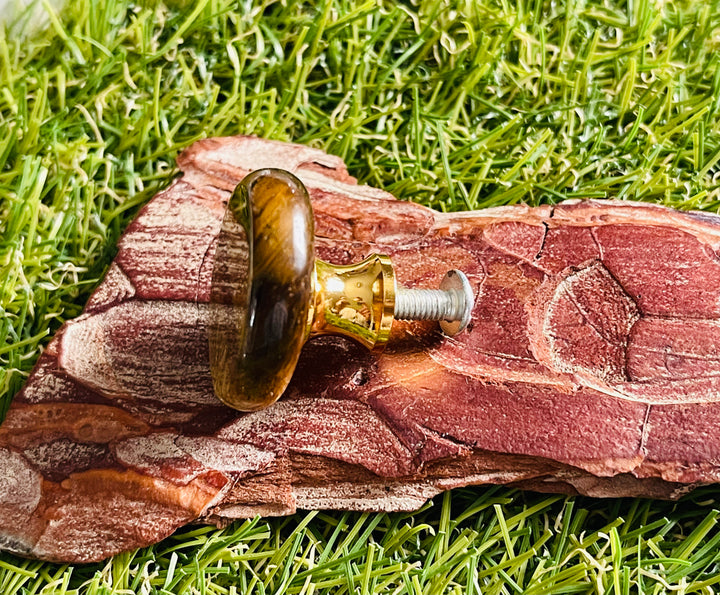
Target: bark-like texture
column 591, row 366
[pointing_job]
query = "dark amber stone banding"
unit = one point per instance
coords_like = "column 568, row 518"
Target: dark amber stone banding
column 261, row 289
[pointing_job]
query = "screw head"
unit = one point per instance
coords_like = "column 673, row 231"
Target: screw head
column 457, row 282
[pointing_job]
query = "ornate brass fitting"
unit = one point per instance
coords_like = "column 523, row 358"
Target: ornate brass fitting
column 356, row 301
column 269, row 295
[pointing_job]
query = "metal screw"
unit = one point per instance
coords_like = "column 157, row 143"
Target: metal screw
column 451, row 304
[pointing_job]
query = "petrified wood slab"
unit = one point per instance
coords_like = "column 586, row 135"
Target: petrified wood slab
column 591, row 366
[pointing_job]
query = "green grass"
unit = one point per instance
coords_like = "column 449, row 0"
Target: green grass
column 453, row 104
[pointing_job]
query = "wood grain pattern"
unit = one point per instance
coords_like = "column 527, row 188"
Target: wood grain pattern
column 590, row 367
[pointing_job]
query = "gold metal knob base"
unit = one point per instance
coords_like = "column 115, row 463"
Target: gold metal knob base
column 355, row 301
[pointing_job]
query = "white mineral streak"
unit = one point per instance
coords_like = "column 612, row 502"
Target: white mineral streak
column 188, row 216
column 19, row 483
column 256, row 153
column 147, row 453
column 83, row 354
column 225, row 456
column 365, row 497
column 48, row 387
column 314, row 180
column 138, row 350
column 685, row 390
column 191, row 455
column 588, row 213
column 115, row 288
column 345, row 430
column 491, row 477
column 145, row 258
column 247, row 511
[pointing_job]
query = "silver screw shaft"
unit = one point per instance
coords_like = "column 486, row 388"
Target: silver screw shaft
column 451, row 304
column 428, row 304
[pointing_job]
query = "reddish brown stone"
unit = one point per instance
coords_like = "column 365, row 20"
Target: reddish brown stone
column 590, row 366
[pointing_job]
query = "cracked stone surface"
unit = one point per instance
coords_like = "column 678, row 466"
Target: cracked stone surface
column 590, row 366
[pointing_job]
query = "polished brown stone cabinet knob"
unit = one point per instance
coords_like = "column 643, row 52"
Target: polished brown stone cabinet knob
column 269, row 294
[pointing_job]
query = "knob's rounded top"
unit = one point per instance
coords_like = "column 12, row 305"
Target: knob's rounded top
column 261, row 289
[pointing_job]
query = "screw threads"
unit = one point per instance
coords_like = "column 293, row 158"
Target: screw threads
column 429, row 304
column 452, row 304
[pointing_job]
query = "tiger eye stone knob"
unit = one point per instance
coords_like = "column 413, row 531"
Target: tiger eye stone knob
column 269, row 294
